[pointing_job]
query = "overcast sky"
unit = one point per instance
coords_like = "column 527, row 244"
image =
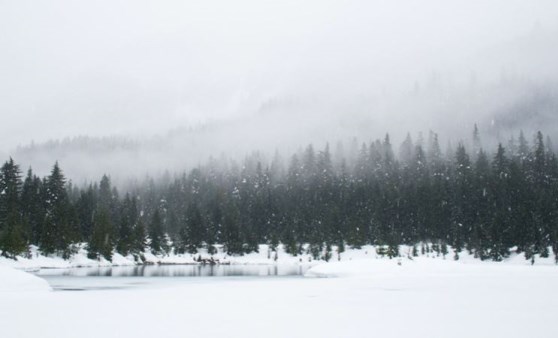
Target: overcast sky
column 135, row 67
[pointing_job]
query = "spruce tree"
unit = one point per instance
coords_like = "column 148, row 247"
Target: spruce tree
column 12, row 234
column 32, row 207
column 128, row 220
column 157, row 238
column 102, row 241
column 193, row 229
column 500, row 223
column 406, row 150
column 461, row 215
column 59, row 230
column 539, row 178
column 231, row 229
column 86, row 206
column 139, row 235
column 478, row 230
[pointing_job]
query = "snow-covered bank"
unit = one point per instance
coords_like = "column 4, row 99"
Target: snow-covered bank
column 405, row 268
column 358, row 264
column 12, row 280
column 36, row 260
column 265, row 255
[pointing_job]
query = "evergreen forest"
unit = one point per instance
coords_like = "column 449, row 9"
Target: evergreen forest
column 486, row 201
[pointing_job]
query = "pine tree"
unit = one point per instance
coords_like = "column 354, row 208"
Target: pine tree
column 128, row 221
column 12, row 236
column 523, row 149
column 108, row 199
column 553, row 202
column 32, row 207
column 231, row 229
column 501, row 205
column 540, row 231
column 102, row 241
column 59, row 232
column 156, row 234
column 139, row 238
column 434, row 154
column 421, row 196
column 192, row 232
column 520, row 205
column 481, row 198
column 86, row 206
column 406, row 150
column 461, row 218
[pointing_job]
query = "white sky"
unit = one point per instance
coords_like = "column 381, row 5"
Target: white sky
column 142, row 67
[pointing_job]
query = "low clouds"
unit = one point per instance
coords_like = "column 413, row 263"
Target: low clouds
column 142, row 68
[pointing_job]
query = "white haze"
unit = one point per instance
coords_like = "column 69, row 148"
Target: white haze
column 188, row 79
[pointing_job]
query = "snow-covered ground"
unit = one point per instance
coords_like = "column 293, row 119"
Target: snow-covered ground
column 264, row 255
column 15, row 281
column 36, row 260
column 364, row 297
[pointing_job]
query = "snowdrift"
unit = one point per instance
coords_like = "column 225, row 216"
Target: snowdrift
column 12, row 280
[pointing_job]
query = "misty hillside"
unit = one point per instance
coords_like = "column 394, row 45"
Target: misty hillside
column 538, row 110
column 285, row 125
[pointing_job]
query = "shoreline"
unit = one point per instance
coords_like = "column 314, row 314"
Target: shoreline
column 265, row 256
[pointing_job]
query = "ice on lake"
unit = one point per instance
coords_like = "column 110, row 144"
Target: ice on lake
column 120, row 277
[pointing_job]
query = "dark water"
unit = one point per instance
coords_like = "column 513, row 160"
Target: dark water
column 123, row 277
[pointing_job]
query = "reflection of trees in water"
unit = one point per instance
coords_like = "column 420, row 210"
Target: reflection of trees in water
column 179, row 271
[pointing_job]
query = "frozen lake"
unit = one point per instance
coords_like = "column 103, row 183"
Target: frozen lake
column 123, row 277
column 422, row 298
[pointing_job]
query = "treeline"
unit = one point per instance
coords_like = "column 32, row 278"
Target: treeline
column 466, row 198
